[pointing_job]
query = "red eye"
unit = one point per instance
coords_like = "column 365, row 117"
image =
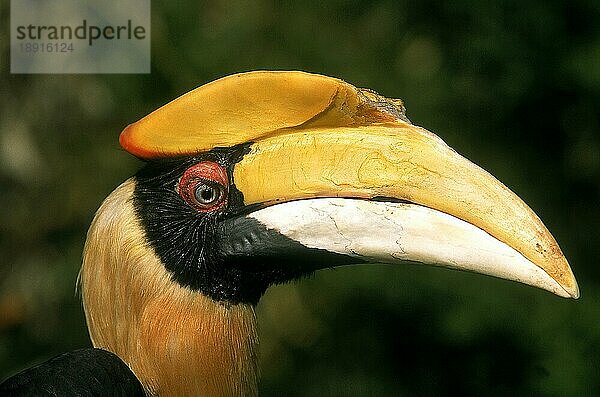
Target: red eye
column 204, row 186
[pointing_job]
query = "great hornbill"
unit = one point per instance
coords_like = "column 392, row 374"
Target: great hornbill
column 261, row 178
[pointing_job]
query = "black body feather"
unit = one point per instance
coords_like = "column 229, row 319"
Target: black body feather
column 84, row 372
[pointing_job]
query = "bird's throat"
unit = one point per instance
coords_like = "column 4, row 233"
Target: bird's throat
column 177, row 341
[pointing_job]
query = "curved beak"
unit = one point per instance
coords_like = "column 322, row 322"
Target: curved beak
column 341, row 169
column 404, row 195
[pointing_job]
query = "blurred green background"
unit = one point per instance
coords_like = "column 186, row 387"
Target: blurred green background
column 514, row 86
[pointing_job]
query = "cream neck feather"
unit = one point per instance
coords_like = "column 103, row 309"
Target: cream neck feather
column 178, row 342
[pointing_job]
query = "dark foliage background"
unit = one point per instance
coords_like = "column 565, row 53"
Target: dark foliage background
column 514, row 86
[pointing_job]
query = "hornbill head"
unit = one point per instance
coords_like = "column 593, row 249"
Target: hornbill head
column 264, row 177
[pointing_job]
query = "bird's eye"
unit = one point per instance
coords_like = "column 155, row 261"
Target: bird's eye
column 204, row 186
column 206, row 194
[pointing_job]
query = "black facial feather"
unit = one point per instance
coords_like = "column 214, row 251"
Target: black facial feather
column 226, row 256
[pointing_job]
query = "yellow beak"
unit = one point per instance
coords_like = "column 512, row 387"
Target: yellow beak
column 311, row 136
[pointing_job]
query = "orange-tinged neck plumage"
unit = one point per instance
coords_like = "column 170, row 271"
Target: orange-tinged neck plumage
column 178, row 342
